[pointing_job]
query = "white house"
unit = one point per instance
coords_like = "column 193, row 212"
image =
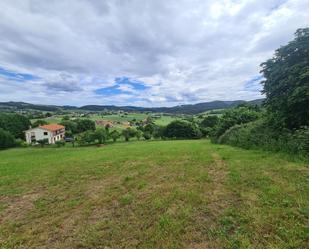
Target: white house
column 53, row 132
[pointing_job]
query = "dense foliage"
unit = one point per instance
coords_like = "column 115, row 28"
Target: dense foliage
column 236, row 116
column 15, row 124
column 286, row 83
column 258, row 134
column 39, row 122
column 181, row 130
column 6, row 139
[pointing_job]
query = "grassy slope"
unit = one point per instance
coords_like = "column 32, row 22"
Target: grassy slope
column 169, row 194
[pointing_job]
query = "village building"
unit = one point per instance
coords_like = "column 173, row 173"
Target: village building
column 52, row 132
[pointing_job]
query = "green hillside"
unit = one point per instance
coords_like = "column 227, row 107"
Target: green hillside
column 168, row 194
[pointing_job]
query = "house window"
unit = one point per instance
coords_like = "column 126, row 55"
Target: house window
column 45, row 133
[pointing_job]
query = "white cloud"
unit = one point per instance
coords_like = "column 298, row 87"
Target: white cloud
column 185, row 51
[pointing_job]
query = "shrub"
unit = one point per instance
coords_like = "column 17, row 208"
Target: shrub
column 210, row 121
column 231, row 117
column 158, row 131
column 147, row 135
column 42, row 142
column 101, row 135
column 138, row 134
column 86, row 137
column 128, row 133
column 258, row 135
column 6, row 139
column 182, row 129
column 20, row 143
column 115, row 135
column 60, row 143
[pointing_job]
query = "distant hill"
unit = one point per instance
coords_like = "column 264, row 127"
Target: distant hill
column 181, row 109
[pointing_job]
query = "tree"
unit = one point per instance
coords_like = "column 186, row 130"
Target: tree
column 149, row 127
column 86, row 137
column 286, row 83
column 210, row 121
column 15, row 124
column 138, row 134
column 101, row 135
column 6, row 139
column 146, row 135
column 84, row 125
column 158, row 131
column 182, row 129
column 70, row 127
column 128, row 133
column 39, row 122
column 115, row 135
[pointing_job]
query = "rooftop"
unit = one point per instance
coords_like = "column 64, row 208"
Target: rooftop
column 52, row 127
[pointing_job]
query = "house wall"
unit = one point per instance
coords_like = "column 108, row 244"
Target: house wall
column 57, row 135
column 39, row 134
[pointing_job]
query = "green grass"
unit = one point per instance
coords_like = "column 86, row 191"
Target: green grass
column 161, row 194
column 121, row 117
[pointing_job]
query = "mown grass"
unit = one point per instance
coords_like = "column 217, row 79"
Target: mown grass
column 161, row 194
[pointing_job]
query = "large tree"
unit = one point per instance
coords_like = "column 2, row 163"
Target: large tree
column 286, row 83
column 14, row 123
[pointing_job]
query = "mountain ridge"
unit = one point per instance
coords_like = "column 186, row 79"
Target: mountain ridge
column 179, row 109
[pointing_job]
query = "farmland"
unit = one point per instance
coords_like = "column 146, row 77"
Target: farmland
column 158, row 194
column 118, row 118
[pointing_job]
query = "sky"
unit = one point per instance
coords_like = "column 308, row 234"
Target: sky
column 140, row 52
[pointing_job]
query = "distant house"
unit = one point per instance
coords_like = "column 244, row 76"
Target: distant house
column 53, row 132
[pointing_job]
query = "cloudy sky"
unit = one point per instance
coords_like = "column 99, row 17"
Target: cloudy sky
column 140, row 52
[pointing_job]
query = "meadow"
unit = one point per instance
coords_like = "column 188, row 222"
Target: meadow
column 117, row 117
column 156, row 194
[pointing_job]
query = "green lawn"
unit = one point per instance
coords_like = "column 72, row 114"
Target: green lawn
column 161, row 194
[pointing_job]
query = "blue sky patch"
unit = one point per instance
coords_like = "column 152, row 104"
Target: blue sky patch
column 254, row 84
column 137, row 85
column 109, row 91
column 9, row 75
column 122, row 81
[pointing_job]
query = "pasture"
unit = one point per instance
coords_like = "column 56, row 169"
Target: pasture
column 158, row 194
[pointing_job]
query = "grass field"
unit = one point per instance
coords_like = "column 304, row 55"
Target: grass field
column 163, row 194
column 163, row 120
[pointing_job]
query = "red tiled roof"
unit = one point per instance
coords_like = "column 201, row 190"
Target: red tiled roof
column 52, row 127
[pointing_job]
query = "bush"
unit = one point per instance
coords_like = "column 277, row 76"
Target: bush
column 231, row 117
column 257, row 134
column 60, row 143
column 42, row 142
column 20, row 143
column 6, row 139
column 210, row 121
column 128, row 133
column 182, row 130
column 115, row 135
column 147, row 135
column 101, row 135
column 86, row 137
column 158, row 131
